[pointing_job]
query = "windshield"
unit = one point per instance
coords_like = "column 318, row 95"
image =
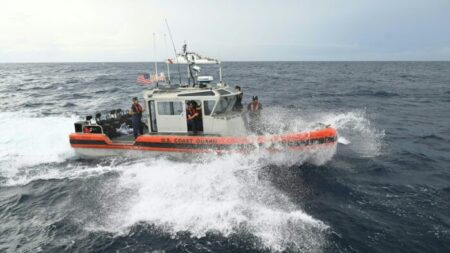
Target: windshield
column 225, row 104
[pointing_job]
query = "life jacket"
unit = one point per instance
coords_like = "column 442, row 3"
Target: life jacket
column 86, row 130
column 254, row 107
column 191, row 112
column 137, row 108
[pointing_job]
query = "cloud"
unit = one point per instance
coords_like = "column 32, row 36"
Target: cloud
column 121, row 30
column 75, row 29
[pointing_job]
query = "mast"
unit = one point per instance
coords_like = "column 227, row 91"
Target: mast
column 167, row 62
column 174, row 49
column 220, row 73
column 184, row 48
column 156, row 63
column 190, row 65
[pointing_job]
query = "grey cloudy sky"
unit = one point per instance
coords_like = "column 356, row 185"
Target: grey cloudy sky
column 121, row 30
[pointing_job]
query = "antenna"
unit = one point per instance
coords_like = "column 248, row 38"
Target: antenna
column 188, row 65
column 167, row 62
column 156, row 62
column 174, row 49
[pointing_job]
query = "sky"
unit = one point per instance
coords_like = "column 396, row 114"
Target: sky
column 244, row 30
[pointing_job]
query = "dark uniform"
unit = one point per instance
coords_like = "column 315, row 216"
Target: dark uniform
column 238, row 105
column 137, row 110
column 194, row 115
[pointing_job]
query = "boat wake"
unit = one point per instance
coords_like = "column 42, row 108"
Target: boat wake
column 29, row 139
column 224, row 196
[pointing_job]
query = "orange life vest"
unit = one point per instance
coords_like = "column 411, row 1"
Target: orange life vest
column 191, row 111
column 137, row 108
column 254, row 106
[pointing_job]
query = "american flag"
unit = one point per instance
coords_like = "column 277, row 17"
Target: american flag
column 144, row 79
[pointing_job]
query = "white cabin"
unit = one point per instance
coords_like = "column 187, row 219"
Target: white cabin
column 166, row 110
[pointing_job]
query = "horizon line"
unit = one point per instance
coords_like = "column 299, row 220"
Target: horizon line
column 46, row 62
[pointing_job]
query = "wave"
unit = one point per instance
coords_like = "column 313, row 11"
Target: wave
column 79, row 96
column 431, row 137
column 29, row 139
column 224, row 196
column 409, row 77
column 108, row 78
column 71, row 81
column 68, row 104
column 38, row 105
column 111, row 90
column 385, row 94
column 371, row 93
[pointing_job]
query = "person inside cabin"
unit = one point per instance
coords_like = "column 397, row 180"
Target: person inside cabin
column 254, row 114
column 136, row 113
column 238, row 105
column 194, row 117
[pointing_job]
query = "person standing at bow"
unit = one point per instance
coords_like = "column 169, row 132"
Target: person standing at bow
column 136, row 112
column 254, row 113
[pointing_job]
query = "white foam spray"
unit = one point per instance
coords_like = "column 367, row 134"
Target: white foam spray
column 28, row 139
column 354, row 128
column 357, row 132
column 224, row 195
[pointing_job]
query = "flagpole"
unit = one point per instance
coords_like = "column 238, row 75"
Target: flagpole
column 156, row 61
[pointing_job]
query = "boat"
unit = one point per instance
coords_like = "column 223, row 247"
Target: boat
column 224, row 129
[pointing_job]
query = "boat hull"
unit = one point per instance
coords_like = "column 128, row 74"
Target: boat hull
column 97, row 145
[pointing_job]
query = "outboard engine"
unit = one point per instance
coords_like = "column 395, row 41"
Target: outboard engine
column 108, row 125
column 114, row 119
column 88, row 126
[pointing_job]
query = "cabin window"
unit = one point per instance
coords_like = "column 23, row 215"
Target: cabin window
column 208, row 106
column 170, row 108
column 223, row 92
column 177, row 108
column 225, row 104
column 196, row 94
column 164, row 108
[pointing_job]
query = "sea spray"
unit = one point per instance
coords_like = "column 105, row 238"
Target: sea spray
column 28, row 139
column 224, row 196
column 354, row 127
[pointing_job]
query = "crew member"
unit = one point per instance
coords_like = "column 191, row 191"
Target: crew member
column 254, row 113
column 238, row 105
column 136, row 112
column 194, row 117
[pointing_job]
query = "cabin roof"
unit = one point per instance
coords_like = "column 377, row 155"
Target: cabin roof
column 181, row 92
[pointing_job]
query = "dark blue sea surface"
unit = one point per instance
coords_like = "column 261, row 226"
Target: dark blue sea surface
column 387, row 188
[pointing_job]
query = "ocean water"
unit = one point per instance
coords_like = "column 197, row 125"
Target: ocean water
column 386, row 189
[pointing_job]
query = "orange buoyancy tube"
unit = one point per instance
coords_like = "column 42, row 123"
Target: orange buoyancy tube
column 163, row 142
